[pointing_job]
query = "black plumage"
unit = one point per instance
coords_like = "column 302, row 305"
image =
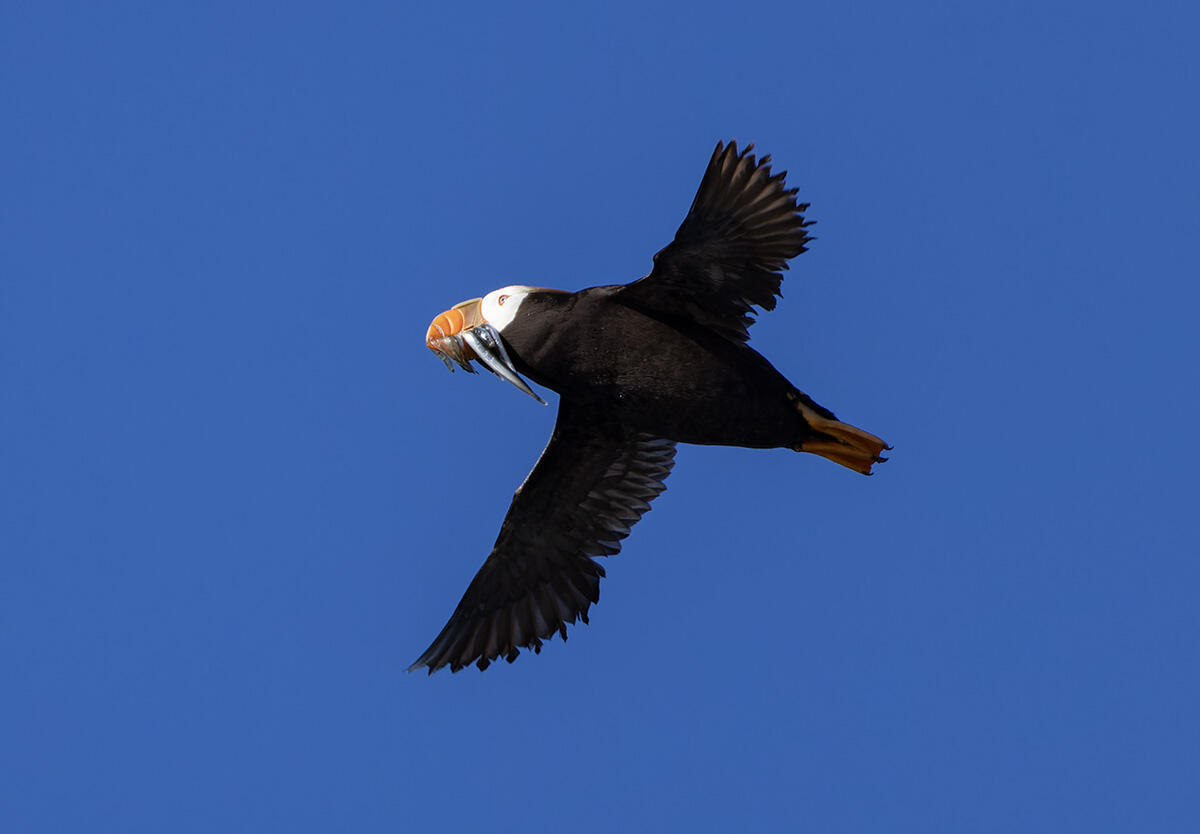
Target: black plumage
column 639, row 368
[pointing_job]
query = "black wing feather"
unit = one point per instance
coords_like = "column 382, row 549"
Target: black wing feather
column 592, row 483
column 729, row 253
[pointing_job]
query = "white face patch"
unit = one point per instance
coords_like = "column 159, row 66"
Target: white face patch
column 499, row 307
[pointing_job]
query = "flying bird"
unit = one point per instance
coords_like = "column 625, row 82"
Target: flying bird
column 638, row 368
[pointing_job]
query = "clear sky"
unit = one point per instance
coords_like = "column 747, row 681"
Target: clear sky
column 238, row 496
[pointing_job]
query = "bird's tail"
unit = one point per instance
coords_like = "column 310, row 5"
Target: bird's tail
column 837, row 441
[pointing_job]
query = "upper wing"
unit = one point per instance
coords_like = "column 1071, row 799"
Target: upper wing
column 593, row 482
column 738, row 235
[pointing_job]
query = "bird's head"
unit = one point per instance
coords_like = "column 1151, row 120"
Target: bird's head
column 472, row 330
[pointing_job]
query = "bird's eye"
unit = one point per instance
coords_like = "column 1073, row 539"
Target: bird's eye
column 501, row 300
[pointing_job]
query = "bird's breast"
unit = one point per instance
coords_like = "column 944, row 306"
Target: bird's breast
column 665, row 377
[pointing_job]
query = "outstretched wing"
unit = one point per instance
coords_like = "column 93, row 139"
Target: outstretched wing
column 741, row 230
column 593, row 482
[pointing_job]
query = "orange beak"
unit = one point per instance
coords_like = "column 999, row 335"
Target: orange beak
column 460, row 334
column 460, row 317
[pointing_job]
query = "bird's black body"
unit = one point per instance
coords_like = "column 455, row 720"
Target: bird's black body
column 663, row 375
column 638, row 368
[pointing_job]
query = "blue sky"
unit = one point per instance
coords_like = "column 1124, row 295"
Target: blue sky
column 238, row 496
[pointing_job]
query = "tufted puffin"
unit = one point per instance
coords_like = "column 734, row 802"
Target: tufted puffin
column 638, row 368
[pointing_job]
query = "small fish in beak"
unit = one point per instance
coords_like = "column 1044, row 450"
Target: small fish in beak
column 460, row 334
